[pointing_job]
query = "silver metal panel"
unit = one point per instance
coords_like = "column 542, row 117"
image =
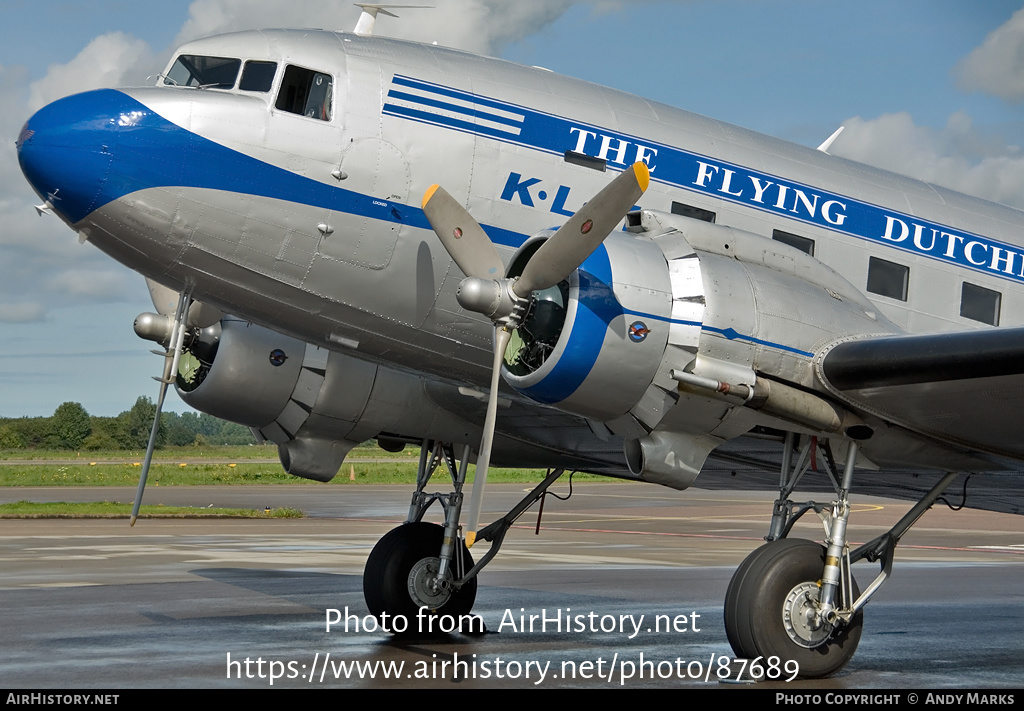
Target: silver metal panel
column 307, row 388
column 292, row 417
column 687, row 302
column 346, row 387
column 315, row 357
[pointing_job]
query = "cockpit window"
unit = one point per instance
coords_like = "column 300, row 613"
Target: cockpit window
column 204, row 72
column 306, row 92
column 258, row 76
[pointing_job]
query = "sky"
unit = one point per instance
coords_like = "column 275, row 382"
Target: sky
column 928, row 88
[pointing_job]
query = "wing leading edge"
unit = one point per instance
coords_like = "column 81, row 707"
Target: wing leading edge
column 964, row 388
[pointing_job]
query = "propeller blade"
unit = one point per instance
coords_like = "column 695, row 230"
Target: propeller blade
column 576, row 240
column 170, row 370
column 461, row 235
column 483, row 461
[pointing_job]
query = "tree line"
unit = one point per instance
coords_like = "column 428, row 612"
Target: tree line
column 71, row 427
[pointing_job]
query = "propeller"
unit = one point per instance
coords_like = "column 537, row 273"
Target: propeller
column 505, row 300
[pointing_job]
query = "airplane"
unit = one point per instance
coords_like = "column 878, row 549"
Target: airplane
column 348, row 237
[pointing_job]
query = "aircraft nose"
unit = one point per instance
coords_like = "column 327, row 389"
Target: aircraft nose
column 65, row 151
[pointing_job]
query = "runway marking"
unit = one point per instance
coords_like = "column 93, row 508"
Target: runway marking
column 672, row 534
column 690, row 500
column 587, row 559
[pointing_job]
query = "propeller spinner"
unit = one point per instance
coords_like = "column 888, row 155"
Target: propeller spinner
column 505, row 300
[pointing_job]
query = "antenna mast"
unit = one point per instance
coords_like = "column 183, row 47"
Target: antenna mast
column 369, row 15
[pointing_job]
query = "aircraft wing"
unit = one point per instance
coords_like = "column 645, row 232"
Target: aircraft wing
column 965, row 388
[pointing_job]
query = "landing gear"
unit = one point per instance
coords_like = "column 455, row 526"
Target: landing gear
column 771, row 610
column 797, row 600
column 401, row 574
column 794, row 599
column 424, row 565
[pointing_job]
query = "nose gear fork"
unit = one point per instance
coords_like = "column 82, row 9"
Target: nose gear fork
column 440, row 575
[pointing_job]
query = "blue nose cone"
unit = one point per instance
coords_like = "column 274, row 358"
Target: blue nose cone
column 65, row 151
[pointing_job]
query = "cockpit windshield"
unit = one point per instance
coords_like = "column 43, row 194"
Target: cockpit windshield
column 204, row 72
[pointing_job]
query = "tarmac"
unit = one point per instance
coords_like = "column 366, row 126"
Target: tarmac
column 623, row 587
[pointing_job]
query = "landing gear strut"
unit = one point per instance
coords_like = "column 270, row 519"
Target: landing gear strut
column 403, row 574
column 424, row 565
column 412, row 566
column 797, row 600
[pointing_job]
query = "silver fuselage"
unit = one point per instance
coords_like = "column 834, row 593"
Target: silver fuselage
column 312, row 225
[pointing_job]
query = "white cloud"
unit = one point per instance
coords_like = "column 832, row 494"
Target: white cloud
column 959, row 156
column 997, row 66
column 103, row 284
column 482, row 26
column 13, row 92
column 24, row 312
column 113, row 59
column 35, row 249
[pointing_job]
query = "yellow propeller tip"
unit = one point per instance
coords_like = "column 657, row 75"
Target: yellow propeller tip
column 429, row 194
column 643, row 174
column 470, row 539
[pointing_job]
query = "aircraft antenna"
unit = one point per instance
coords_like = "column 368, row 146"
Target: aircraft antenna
column 828, row 141
column 368, row 17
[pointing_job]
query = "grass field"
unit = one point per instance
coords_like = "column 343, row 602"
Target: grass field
column 239, row 453
column 184, row 466
column 192, row 466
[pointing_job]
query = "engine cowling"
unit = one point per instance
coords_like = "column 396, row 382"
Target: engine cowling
column 309, row 401
column 317, row 404
column 593, row 344
column 680, row 297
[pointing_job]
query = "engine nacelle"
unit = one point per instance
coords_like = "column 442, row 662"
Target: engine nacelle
column 637, row 333
column 306, row 399
column 268, row 362
column 317, row 404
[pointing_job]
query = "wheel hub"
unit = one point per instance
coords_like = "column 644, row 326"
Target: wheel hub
column 425, row 589
column 801, row 617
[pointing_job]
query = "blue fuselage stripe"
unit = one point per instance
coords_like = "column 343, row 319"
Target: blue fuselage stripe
column 427, row 117
column 80, row 136
column 475, row 113
column 454, row 93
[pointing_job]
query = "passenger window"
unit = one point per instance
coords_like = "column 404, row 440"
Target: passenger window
column 980, row 304
column 888, row 278
column 204, row 72
column 306, row 92
column 802, row 243
column 258, row 76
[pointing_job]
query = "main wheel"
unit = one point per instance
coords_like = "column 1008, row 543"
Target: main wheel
column 769, row 610
column 401, row 570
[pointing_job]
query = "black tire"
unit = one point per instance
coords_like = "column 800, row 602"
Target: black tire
column 732, row 606
column 756, row 602
column 386, row 578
